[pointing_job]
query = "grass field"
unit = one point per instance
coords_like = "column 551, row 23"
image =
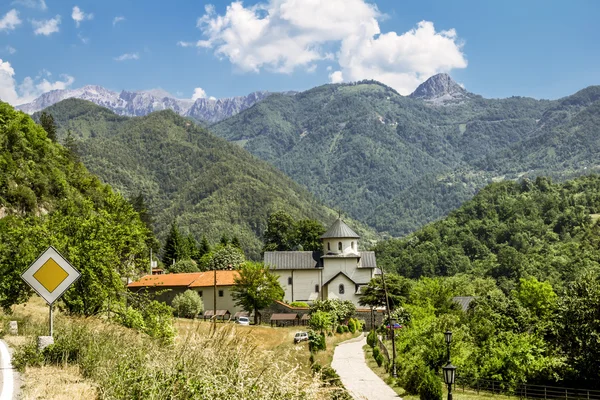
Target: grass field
column 68, row 382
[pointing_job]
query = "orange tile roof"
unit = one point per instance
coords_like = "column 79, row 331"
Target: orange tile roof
column 191, row 279
column 224, row 278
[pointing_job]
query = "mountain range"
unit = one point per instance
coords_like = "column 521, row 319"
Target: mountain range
column 189, row 176
column 397, row 162
column 139, row 103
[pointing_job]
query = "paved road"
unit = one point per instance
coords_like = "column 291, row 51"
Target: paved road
column 6, row 374
column 362, row 383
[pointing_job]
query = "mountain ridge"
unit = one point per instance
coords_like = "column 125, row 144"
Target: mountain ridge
column 144, row 102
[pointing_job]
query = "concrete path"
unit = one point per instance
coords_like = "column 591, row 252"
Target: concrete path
column 6, row 374
column 362, row 383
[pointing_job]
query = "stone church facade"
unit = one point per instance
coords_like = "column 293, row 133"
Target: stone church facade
column 339, row 271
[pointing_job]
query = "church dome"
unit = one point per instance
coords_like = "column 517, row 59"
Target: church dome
column 339, row 230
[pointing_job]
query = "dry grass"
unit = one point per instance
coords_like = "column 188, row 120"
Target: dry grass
column 56, row 383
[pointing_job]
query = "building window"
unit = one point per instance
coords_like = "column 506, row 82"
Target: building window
column 289, row 280
column 341, row 288
column 317, row 288
column 220, row 293
column 340, row 246
column 328, row 246
column 200, row 293
column 352, row 245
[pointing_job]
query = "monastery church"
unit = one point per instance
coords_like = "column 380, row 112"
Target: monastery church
column 339, row 271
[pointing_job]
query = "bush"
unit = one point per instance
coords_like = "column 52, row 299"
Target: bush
column 316, row 341
column 372, row 339
column 345, row 328
column 25, row 356
column 339, row 329
column 132, row 318
column 431, row 386
column 320, row 321
column 376, row 351
column 411, row 376
column 351, row 325
column 158, row 318
column 188, row 304
column 299, row 304
column 380, row 359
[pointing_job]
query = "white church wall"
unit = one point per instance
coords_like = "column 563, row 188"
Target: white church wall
column 333, row 266
column 303, row 283
column 349, row 245
column 333, row 289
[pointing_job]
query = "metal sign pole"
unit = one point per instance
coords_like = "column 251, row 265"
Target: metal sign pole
column 50, row 321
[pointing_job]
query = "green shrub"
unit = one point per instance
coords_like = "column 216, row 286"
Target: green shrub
column 320, row 321
column 158, row 318
column 351, row 325
column 372, row 339
column 431, row 386
column 299, row 304
column 316, row 342
column 376, row 351
column 25, row 356
column 339, row 329
column 132, row 318
column 411, row 376
column 380, row 359
column 188, row 304
column 345, row 328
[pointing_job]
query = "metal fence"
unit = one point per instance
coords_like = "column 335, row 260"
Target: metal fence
column 526, row 391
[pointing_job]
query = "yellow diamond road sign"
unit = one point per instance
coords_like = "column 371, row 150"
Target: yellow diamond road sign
column 50, row 275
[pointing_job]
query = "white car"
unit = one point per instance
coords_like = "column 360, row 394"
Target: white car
column 300, row 337
column 243, row 321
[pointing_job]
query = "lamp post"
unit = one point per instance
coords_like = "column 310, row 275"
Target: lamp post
column 449, row 369
column 387, row 301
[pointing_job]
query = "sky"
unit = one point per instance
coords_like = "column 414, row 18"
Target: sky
column 537, row 48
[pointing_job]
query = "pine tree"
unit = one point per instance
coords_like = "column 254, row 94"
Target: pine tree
column 173, row 246
column 204, row 247
column 47, row 122
column 235, row 242
column 224, row 240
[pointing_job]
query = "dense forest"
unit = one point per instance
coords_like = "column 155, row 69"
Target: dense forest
column 396, row 163
column 206, row 185
column 47, row 197
column 529, row 254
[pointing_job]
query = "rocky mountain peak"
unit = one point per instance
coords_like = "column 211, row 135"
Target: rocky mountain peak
column 440, row 88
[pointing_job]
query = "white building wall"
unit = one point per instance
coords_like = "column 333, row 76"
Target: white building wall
column 349, row 266
column 349, row 245
column 303, row 283
column 223, row 303
column 333, row 289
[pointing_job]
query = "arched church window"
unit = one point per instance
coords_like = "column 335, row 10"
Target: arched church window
column 341, row 288
column 340, row 246
column 328, row 246
column 352, row 245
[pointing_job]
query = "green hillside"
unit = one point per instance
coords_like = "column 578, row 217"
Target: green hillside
column 208, row 185
column 391, row 161
column 509, row 231
column 49, row 198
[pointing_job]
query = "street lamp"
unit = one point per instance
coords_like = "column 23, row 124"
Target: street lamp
column 449, row 376
column 448, row 337
column 449, row 369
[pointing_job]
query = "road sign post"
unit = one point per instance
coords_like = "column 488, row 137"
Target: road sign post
column 50, row 276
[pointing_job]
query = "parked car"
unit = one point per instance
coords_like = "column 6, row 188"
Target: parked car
column 300, row 336
column 243, row 321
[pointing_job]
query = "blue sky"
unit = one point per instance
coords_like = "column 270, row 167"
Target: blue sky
column 542, row 49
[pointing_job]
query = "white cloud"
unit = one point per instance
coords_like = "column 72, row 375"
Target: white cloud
column 118, row 19
column 10, row 20
column 212, row 98
column 30, row 88
column 79, row 16
column 39, row 4
column 128, row 56
column 283, row 35
column 46, row 27
column 10, row 50
column 336, row 77
column 199, row 93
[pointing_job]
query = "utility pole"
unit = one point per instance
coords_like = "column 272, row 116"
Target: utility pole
column 215, row 301
column 387, row 303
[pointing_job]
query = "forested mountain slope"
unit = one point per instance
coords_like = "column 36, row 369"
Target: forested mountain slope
column 49, row 198
column 206, row 184
column 394, row 162
column 509, row 230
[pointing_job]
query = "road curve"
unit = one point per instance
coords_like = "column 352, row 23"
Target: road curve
column 360, row 381
column 6, row 376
